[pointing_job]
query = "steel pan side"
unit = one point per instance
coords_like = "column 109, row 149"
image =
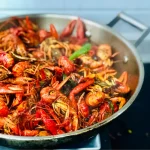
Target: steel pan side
column 100, row 34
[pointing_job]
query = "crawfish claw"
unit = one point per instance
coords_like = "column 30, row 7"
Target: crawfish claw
column 80, row 29
column 69, row 29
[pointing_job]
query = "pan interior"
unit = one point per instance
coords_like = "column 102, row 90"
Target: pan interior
column 128, row 58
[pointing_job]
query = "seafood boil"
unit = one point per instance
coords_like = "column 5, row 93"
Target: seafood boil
column 53, row 83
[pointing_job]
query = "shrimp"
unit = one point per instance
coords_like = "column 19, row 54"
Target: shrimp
column 18, row 69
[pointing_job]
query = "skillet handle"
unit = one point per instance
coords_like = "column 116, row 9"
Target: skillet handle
column 145, row 30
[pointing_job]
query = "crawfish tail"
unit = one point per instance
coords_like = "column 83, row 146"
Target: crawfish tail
column 78, row 89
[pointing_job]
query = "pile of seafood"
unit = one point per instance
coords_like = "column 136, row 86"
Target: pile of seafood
column 53, row 83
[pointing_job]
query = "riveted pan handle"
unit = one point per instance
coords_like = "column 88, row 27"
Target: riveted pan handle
column 143, row 28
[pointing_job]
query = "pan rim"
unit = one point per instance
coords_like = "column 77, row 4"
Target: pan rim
column 115, row 115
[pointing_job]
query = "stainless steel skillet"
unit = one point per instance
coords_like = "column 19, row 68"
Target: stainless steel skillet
column 131, row 62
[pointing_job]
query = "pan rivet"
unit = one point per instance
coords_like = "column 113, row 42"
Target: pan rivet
column 125, row 59
column 88, row 33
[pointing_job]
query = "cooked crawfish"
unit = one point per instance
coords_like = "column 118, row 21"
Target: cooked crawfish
column 94, row 98
column 68, row 29
column 105, row 111
column 11, row 42
column 104, row 51
column 49, row 123
column 6, row 59
column 19, row 80
column 78, row 89
column 68, row 112
column 80, row 33
column 120, row 100
column 122, row 84
column 4, row 111
column 18, row 69
column 53, row 83
column 66, row 64
column 87, row 60
column 83, row 108
column 50, row 94
column 4, row 72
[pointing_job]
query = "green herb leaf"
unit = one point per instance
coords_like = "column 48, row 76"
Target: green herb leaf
column 83, row 50
column 64, row 76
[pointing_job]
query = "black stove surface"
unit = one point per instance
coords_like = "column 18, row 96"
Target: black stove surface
column 131, row 130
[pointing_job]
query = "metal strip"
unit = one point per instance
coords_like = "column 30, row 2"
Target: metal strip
column 137, row 24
